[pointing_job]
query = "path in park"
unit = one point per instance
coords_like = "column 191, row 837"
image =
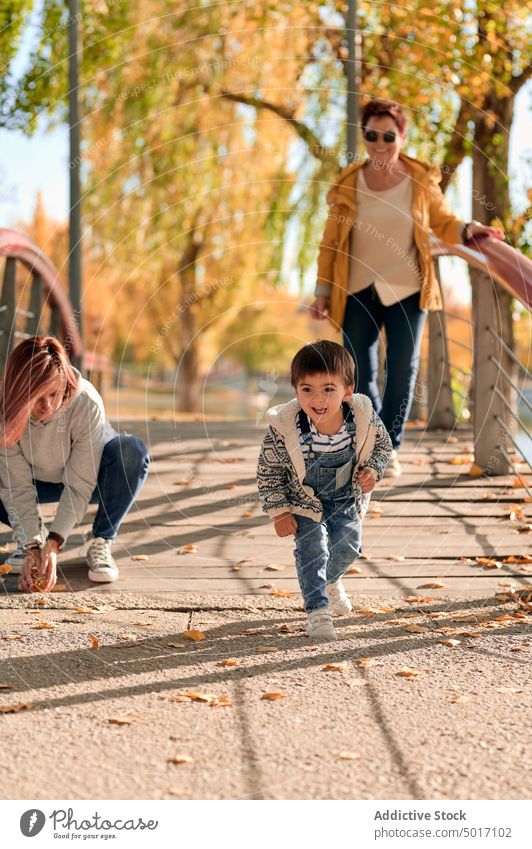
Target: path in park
column 456, row 729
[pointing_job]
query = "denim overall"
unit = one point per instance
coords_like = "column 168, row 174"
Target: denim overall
column 325, row 549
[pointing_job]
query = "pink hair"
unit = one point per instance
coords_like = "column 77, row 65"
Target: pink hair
column 37, row 366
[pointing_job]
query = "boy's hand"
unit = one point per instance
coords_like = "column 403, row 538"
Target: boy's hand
column 285, row 525
column 367, row 479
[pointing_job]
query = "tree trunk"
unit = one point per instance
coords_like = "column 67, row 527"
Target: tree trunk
column 188, row 365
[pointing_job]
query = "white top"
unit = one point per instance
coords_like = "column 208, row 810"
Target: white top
column 382, row 242
column 324, row 442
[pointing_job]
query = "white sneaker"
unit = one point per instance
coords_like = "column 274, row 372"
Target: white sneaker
column 102, row 567
column 339, row 601
column 16, row 560
column 393, row 469
column 320, row 625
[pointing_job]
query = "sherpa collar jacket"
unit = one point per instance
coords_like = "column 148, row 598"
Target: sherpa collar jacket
column 281, row 468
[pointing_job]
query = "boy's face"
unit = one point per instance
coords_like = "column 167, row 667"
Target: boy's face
column 321, row 396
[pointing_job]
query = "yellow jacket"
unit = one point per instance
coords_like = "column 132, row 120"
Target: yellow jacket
column 430, row 211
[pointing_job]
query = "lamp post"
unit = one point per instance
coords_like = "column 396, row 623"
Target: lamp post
column 75, row 258
column 353, row 80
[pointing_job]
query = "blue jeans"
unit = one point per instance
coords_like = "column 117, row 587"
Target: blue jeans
column 325, row 549
column 122, row 472
column 404, row 321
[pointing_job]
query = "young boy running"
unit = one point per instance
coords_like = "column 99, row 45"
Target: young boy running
column 322, row 455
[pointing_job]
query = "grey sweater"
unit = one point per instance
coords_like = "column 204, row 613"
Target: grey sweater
column 67, row 449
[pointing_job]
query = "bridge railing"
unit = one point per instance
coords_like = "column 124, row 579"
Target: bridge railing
column 492, row 389
column 33, row 299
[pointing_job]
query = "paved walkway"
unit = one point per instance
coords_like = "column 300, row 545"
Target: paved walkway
column 86, row 657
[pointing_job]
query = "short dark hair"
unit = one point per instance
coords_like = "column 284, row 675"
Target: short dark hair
column 378, row 107
column 323, row 357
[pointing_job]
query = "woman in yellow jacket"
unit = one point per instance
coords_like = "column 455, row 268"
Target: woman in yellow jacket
column 375, row 268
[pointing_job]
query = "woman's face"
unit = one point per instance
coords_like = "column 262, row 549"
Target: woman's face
column 47, row 404
column 382, row 151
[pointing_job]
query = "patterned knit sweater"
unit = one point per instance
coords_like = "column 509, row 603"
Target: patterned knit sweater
column 281, row 468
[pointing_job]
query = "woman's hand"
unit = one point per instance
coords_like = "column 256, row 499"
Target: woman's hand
column 49, row 564
column 475, row 229
column 318, row 307
column 285, row 525
column 367, row 479
column 31, row 572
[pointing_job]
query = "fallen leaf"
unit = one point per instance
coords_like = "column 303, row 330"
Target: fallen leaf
column 417, row 599
column 273, row 696
column 180, row 759
column 450, row 643
column 406, row 672
column 183, row 482
column 196, row 636
column 230, row 661
column 476, row 471
column 335, row 667
column 84, row 610
column 124, row 719
column 397, row 557
column 267, row 649
column 520, row 482
column 140, row 557
column 266, row 586
column 13, row 637
column 221, row 701
column 44, row 626
column 368, row 662
column 5, row 568
column 235, row 568
column 457, row 697
column 348, row 756
column 188, row 549
column 432, row 585
column 279, row 593
column 193, row 696
column 59, row 588
column 518, row 648
column 416, row 629
column 230, row 486
column 353, row 570
column 472, row 634
column 15, row 708
column 285, row 629
column 461, row 460
column 42, row 602
column 274, row 567
column 247, row 514
column 95, row 643
column 130, row 638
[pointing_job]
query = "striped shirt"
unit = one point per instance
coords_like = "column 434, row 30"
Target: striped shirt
column 323, row 442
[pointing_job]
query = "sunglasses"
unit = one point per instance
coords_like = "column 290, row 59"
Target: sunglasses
column 373, row 136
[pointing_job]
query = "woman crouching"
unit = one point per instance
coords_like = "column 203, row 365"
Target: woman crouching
column 56, row 444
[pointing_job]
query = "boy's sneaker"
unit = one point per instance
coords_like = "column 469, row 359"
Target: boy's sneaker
column 393, row 469
column 16, row 560
column 339, row 601
column 102, row 567
column 320, row 625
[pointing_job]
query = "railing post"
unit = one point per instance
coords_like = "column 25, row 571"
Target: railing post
column 487, row 355
column 440, row 412
column 7, row 310
column 34, row 319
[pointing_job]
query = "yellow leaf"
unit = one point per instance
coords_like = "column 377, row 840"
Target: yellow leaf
column 457, row 697
column 273, row 696
column 279, row 593
column 141, row 558
column 15, row 708
column 84, row 610
column 418, row 599
column 221, row 701
column 476, row 471
column 5, row 568
column 95, row 643
column 183, row 482
column 335, row 667
column 406, row 672
column 124, row 719
column 432, row 585
column 353, row 570
column 450, row 643
column 416, row 629
column 188, row 549
column 180, row 759
column 197, row 636
column 348, row 756
column 44, row 626
column 461, row 460
column 59, row 588
column 247, row 514
column 520, row 482
column 273, row 567
column 230, row 661
column 193, row 696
